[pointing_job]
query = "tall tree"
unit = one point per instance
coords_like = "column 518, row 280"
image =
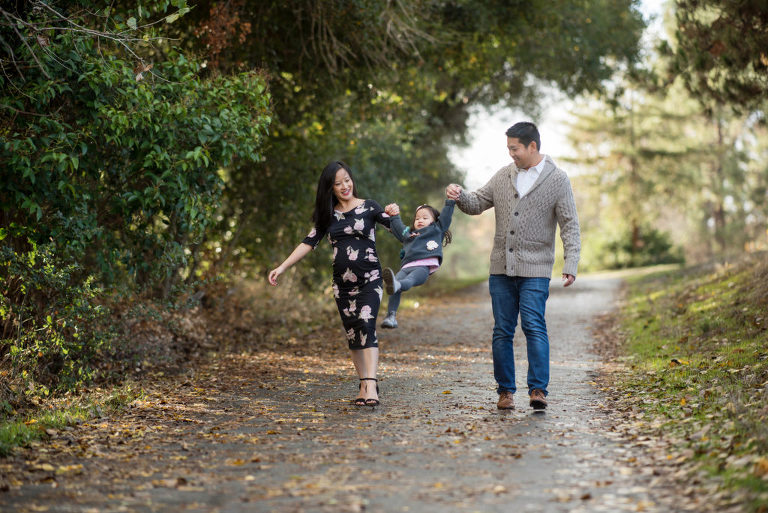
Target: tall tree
column 634, row 157
column 662, row 161
column 719, row 50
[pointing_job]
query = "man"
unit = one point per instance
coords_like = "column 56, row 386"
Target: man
column 530, row 197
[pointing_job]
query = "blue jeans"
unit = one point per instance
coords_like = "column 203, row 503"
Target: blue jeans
column 510, row 296
column 408, row 278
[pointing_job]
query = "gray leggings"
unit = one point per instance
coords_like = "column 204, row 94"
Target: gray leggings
column 408, row 277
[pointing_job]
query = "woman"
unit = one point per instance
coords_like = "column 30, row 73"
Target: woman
column 350, row 223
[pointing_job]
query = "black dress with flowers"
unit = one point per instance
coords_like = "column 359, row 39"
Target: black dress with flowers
column 357, row 284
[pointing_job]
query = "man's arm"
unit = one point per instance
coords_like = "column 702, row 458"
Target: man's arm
column 568, row 219
column 473, row 203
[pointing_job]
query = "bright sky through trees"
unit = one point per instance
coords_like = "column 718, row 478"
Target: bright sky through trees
column 486, row 152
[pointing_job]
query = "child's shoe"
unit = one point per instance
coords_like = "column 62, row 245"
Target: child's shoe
column 390, row 282
column 389, row 321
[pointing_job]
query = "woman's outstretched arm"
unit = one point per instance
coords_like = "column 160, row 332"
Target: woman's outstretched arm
column 300, row 252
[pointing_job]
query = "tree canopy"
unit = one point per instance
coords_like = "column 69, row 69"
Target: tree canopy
column 388, row 87
column 149, row 146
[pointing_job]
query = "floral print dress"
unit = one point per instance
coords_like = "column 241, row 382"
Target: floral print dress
column 357, row 284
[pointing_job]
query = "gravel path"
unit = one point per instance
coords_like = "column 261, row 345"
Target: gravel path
column 273, row 430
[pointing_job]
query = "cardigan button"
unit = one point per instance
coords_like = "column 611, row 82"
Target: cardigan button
column 512, row 232
column 517, row 213
column 517, row 195
column 511, row 250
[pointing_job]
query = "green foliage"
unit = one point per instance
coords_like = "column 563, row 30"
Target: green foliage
column 719, row 51
column 643, row 247
column 111, row 173
column 660, row 160
column 387, row 87
column 52, row 322
column 127, row 174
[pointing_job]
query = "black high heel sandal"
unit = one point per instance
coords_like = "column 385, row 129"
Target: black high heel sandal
column 359, row 401
column 371, row 402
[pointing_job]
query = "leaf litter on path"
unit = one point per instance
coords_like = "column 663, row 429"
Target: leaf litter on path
column 273, row 430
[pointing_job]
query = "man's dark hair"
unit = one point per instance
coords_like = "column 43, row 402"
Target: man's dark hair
column 525, row 132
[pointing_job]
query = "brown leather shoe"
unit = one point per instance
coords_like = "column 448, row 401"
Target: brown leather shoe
column 506, row 401
column 538, row 399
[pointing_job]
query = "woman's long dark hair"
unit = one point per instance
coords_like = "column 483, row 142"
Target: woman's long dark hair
column 447, row 237
column 325, row 199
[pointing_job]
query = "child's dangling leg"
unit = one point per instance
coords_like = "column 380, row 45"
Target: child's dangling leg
column 396, row 285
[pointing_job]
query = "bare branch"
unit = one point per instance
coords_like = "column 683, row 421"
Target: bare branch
column 22, row 111
column 24, row 40
column 121, row 39
column 9, row 49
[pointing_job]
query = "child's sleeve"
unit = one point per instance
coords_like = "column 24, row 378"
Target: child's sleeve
column 446, row 214
column 399, row 230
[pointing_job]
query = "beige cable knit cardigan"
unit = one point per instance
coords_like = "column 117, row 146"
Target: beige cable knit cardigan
column 524, row 243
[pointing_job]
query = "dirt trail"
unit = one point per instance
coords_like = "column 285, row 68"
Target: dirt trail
column 273, row 431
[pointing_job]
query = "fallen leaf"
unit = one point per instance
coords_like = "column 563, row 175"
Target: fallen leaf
column 64, row 469
column 761, row 467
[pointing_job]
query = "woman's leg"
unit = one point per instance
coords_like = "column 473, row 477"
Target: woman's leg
column 367, row 365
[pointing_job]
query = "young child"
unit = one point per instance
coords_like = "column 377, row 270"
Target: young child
column 422, row 252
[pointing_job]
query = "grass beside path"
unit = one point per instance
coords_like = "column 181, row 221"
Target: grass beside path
column 59, row 414
column 693, row 344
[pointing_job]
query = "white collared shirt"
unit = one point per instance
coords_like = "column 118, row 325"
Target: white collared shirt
column 526, row 179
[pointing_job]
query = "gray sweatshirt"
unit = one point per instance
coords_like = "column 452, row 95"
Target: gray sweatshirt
column 429, row 241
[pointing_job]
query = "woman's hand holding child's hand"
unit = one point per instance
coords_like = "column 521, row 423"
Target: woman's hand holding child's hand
column 392, row 209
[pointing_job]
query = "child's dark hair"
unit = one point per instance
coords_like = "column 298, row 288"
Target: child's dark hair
column 325, row 198
column 447, row 237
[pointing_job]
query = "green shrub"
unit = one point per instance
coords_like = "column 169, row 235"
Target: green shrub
column 52, row 325
column 110, row 175
column 649, row 247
